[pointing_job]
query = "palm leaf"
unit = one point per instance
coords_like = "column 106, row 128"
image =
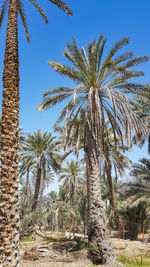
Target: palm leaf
column 63, row 6
column 41, row 11
column 23, row 18
column 3, row 11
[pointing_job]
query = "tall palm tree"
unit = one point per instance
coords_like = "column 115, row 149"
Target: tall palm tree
column 100, row 93
column 9, row 228
column 112, row 155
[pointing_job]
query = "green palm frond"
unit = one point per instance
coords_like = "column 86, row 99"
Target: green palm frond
column 123, row 57
column 4, row 8
column 51, row 101
column 136, row 61
column 102, row 86
column 100, row 53
column 139, row 186
column 75, row 56
column 66, row 71
column 115, row 48
column 40, row 10
column 57, row 90
column 23, row 18
column 63, row 6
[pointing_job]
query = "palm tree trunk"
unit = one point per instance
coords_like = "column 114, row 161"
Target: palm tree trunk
column 43, row 181
column 27, row 184
column 9, row 204
column 98, row 233
column 37, row 185
column 42, row 190
column 112, row 193
column 71, row 195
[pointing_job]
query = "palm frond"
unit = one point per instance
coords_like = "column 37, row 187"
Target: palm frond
column 136, row 61
column 23, row 18
column 66, row 71
column 40, row 10
column 116, row 47
column 52, row 101
column 123, row 57
column 63, row 6
column 57, row 90
column 4, row 8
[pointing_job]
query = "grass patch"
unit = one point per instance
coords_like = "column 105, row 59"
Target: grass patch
column 27, row 239
column 54, row 240
column 138, row 261
column 80, row 244
column 23, row 249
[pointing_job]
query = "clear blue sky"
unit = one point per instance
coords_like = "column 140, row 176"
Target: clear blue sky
column 114, row 18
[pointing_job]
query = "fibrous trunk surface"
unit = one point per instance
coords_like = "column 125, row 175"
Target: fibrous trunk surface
column 37, row 185
column 98, row 233
column 9, row 207
column 112, row 194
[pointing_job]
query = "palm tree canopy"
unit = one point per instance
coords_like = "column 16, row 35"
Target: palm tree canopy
column 142, row 107
column 42, row 145
column 102, row 82
column 59, row 3
column 72, row 170
column 139, row 186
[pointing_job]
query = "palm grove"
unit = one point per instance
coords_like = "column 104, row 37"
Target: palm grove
column 101, row 115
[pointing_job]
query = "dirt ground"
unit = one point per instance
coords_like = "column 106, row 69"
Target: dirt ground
column 39, row 253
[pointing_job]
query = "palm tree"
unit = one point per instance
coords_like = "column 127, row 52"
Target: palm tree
column 137, row 191
column 81, row 196
column 139, row 186
column 142, row 107
column 9, row 232
column 113, row 157
column 70, row 175
column 42, row 150
column 100, row 93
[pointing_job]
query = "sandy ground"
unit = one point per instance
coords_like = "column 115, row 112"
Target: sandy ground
column 39, row 253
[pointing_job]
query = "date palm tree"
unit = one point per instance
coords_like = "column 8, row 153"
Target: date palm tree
column 137, row 191
column 142, row 107
column 9, row 228
column 69, row 175
column 139, row 186
column 42, row 150
column 114, row 158
column 100, row 93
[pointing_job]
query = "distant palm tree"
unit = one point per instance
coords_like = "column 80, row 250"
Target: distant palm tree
column 142, row 107
column 114, row 157
column 9, row 232
column 100, row 93
column 42, row 150
column 69, row 175
column 139, row 186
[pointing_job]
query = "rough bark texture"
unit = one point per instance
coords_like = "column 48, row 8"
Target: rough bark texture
column 27, row 185
column 72, row 190
column 37, row 186
column 112, row 193
column 98, row 233
column 9, row 204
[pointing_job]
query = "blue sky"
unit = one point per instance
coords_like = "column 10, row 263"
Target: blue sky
column 113, row 18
